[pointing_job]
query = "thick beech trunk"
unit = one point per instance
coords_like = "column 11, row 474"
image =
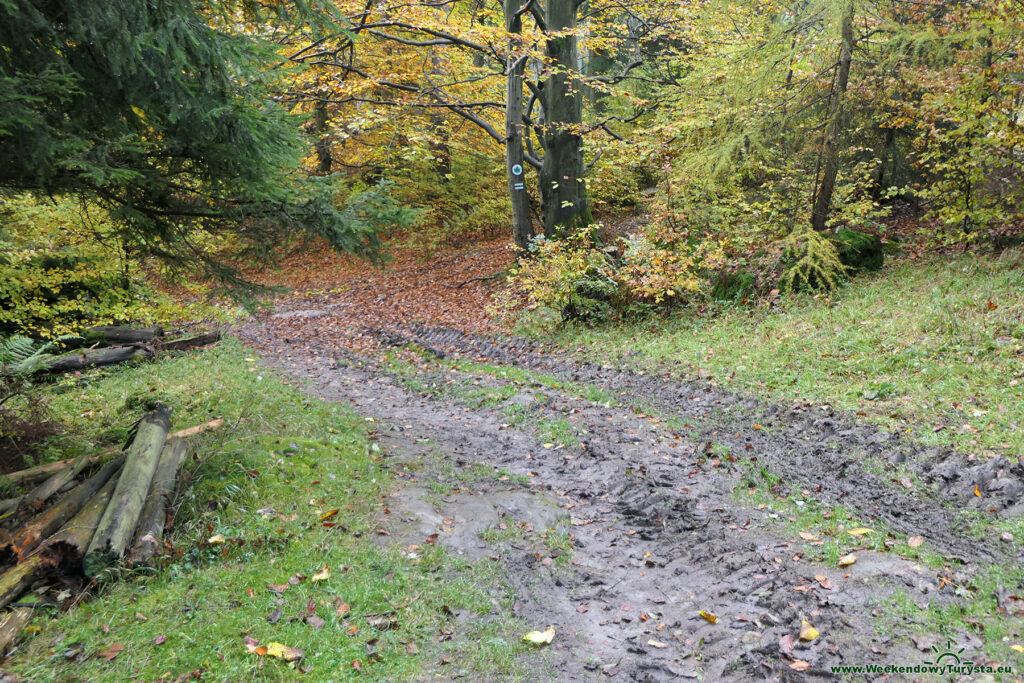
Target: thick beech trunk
column 515, row 130
column 42, row 525
column 830, row 151
column 562, row 189
column 154, row 512
column 116, row 528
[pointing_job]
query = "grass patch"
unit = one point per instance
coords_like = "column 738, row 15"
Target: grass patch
column 265, row 482
column 979, row 613
column 935, row 348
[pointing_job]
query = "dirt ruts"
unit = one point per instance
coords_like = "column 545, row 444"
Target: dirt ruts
column 652, row 496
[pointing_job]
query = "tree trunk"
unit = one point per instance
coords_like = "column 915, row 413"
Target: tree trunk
column 324, row 162
column 117, row 527
column 562, row 190
column 515, row 157
column 823, row 197
column 44, row 524
column 154, row 512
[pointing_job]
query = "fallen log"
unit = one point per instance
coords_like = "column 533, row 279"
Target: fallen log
column 197, row 429
column 42, row 525
column 13, row 623
column 66, row 548
column 117, row 334
column 69, row 541
column 18, row 579
column 154, row 512
column 117, row 526
column 32, row 475
column 33, row 501
column 89, row 358
column 190, row 342
column 60, row 479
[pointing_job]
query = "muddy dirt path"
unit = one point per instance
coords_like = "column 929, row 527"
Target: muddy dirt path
column 655, row 523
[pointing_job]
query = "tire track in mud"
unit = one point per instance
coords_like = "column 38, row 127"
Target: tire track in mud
column 813, row 446
column 657, row 534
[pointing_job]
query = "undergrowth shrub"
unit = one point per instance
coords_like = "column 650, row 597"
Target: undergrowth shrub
column 580, row 277
column 63, row 266
column 811, row 261
column 573, row 277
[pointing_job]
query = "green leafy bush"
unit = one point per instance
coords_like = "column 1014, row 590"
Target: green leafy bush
column 64, row 266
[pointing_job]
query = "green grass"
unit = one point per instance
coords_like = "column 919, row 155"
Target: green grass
column 264, row 482
column 914, row 348
column 978, row 613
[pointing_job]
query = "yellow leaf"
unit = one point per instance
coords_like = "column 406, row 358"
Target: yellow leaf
column 216, row 539
column 288, row 654
column 139, row 112
column 549, row 445
column 807, row 632
column 1018, row 648
column 321, row 574
column 327, row 515
column 977, row 491
column 713, row 618
column 860, row 531
column 540, row 637
column 847, row 560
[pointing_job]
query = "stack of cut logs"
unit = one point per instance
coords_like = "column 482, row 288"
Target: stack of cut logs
column 89, row 515
column 111, row 345
column 115, row 514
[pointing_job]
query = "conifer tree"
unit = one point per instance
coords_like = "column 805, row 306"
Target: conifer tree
column 161, row 113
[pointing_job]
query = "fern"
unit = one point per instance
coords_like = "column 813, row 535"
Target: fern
column 813, row 261
column 21, row 355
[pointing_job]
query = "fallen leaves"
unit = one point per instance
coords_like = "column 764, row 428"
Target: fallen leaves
column 847, row 560
column 216, row 539
column 321, row 574
column 799, row 665
column 859, row 531
column 273, row 649
column 807, row 632
column 915, row 541
column 540, row 637
column 113, row 651
column 713, row 618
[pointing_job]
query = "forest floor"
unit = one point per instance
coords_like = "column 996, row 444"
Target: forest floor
column 668, row 528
